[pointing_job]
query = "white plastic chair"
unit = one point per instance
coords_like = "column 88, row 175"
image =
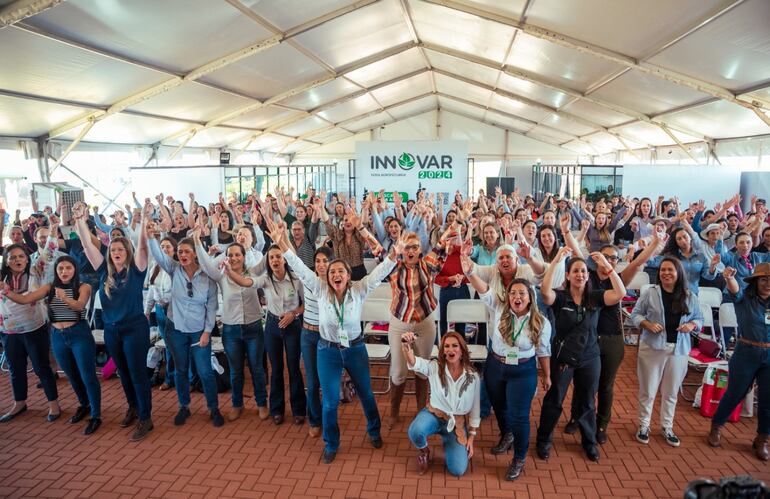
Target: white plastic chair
column 97, row 333
column 379, row 355
column 727, row 318
column 375, row 310
column 381, row 292
column 710, row 296
column 469, row 311
column 369, row 264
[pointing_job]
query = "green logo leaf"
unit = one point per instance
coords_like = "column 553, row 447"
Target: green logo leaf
column 406, row 161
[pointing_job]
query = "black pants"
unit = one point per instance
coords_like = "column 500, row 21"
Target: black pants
column 357, row 273
column 36, row 345
column 586, row 376
column 612, row 348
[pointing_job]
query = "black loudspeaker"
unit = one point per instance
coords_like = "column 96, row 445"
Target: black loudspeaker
column 507, row 184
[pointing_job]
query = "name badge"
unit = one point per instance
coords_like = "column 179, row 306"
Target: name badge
column 512, row 356
column 344, row 338
column 767, row 316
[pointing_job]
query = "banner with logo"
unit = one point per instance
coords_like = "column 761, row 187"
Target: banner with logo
column 408, row 165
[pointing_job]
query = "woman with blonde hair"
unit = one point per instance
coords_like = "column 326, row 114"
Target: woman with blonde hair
column 453, row 411
column 520, row 334
column 126, row 329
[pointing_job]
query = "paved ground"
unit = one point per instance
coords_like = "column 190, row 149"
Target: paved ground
column 253, row 458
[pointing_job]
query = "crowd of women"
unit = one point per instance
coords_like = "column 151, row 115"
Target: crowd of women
column 284, row 278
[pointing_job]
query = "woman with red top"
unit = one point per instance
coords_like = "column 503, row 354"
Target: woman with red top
column 411, row 307
column 452, row 280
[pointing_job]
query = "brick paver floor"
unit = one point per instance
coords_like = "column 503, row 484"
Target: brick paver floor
column 253, row 458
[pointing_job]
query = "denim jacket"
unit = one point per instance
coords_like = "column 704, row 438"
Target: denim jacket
column 650, row 307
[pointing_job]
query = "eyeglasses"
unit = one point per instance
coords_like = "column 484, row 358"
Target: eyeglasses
column 412, row 247
column 189, row 289
column 611, row 258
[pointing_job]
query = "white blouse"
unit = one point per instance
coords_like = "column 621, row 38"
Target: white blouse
column 525, row 346
column 328, row 321
column 461, row 396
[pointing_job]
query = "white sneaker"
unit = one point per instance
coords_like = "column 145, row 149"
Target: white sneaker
column 643, row 435
column 671, row 439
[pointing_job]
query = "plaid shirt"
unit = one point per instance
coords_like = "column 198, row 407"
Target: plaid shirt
column 413, row 299
column 352, row 253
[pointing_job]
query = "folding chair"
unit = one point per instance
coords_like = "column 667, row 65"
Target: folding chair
column 381, row 292
column 727, row 318
column 469, row 311
column 710, row 296
column 640, row 281
column 98, row 333
column 377, row 310
column 697, row 364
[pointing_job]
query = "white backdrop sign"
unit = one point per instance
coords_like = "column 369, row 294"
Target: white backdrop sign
column 406, row 166
column 713, row 184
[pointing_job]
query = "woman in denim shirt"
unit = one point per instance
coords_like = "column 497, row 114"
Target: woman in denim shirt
column 694, row 262
column 666, row 314
column 751, row 360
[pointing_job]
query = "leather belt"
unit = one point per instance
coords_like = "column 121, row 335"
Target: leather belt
column 332, row 344
column 502, row 359
column 310, row 327
column 759, row 344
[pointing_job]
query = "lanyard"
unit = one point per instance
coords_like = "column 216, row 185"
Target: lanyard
column 518, row 333
column 341, row 310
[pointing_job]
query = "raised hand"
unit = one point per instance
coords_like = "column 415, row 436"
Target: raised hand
column 729, row 272
column 601, row 261
column 564, row 223
column 466, row 262
column 563, row 253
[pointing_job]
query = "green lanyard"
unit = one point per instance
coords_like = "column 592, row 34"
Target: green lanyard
column 518, row 333
column 341, row 310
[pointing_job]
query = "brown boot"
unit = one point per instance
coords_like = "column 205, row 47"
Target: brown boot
column 421, row 393
column 760, row 446
column 396, row 394
column 423, row 461
column 715, row 436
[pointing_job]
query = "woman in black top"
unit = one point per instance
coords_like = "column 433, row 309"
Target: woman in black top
column 71, row 338
column 576, row 311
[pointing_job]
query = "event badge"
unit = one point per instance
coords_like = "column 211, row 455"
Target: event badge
column 512, row 356
column 767, row 316
column 344, row 338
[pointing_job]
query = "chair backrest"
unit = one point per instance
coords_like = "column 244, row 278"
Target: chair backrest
column 645, row 287
column 727, row 317
column 710, row 296
column 639, row 280
column 466, row 311
column 708, row 318
column 381, row 292
column 375, row 310
column 369, row 264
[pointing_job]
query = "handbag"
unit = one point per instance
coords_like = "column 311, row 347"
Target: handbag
column 570, row 349
column 709, row 348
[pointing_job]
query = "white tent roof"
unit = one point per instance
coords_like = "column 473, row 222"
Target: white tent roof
column 589, row 76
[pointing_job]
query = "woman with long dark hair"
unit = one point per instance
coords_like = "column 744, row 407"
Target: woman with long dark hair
column 126, row 329
column 576, row 310
column 695, row 265
column 191, row 320
column 24, row 333
column 520, row 335
column 751, row 360
column 158, row 300
column 341, row 344
column 73, row 344
column 242, row 335
column 454, row 408
column 283, row 330
column 666, row 314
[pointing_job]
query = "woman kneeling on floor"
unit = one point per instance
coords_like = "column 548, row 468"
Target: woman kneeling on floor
column 453, row 410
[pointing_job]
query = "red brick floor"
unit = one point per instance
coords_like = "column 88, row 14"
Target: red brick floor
column 253, row 458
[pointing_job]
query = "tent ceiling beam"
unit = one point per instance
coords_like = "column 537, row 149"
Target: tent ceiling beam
column 600, row 52
column 301, row 88
column 553, row 86
column 22, row 9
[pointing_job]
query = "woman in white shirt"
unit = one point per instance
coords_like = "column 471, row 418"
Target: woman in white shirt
column 454, row 407
column 242, row 335
column 341, row 346
column 158, row 299
column 520, row 334
column 282, row 332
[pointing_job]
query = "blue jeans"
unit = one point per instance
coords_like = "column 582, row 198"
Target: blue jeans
column 245, row 342
column 511, row 390
column 747, row 364
column 182, row 349
column 35, row 345
column 309, row 345
column 426, row 424
column 75, row 351
column 127, row 343
column 276, row 340
column 331, row 362
column 162, row 319
column 444, row 297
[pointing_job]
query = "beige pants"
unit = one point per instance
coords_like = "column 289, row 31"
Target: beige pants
column 426, row 336
column 659, row 369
